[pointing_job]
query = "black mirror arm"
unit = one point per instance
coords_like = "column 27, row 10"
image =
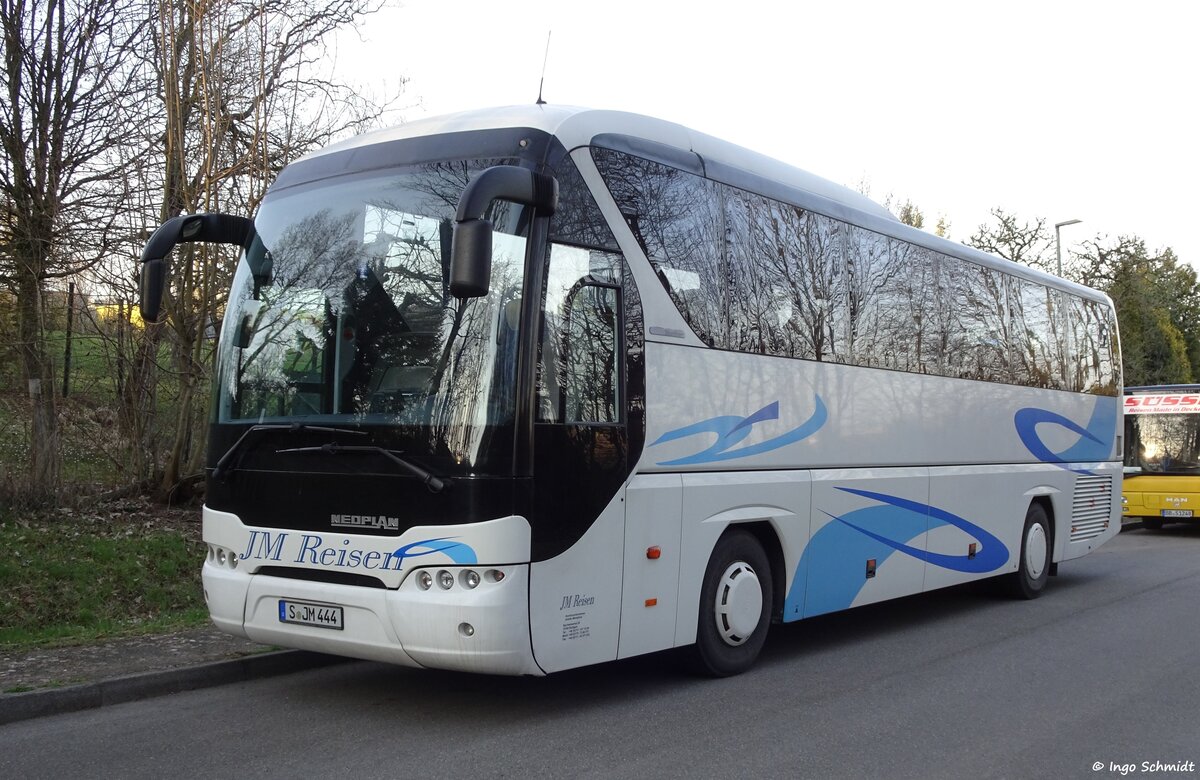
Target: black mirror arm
column 507, row 182
column 184, row 229
column 471, row 252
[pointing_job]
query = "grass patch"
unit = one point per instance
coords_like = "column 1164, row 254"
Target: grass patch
column 71, row 578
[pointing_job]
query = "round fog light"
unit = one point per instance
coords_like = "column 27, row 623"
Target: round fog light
column 466, row 629
column 424, row 580
column 445, row 579
column 470, row 578
column 221, row 555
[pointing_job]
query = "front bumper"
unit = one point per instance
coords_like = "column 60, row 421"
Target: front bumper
column 484, row 628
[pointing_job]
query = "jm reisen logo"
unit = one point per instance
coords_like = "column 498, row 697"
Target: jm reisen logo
column 315, row 550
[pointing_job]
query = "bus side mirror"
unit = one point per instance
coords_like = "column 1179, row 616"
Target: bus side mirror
column 153, row 284
column 471, row 250
column 206, row 228
column 154, row 266
column 471, row 259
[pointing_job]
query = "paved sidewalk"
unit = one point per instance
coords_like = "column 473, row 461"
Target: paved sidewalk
column 49, row 681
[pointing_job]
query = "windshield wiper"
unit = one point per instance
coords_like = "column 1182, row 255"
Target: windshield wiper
column 429, row 480
column 289, row 427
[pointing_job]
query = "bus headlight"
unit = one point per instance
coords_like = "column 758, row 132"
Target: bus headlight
column 467, row 578
column 221, row 556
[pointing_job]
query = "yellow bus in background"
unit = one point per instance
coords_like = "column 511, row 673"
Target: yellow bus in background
column 1162, row 455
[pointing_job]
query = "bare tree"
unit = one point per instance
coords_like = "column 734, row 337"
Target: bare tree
column 243, row 93
column 67, row 84
column 1027, row 242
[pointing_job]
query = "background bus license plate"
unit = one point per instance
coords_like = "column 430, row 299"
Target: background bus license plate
column 319, row 615
column 1176, row 513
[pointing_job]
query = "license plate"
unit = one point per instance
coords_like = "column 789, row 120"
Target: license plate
column 1176, row 513
column 308, row 614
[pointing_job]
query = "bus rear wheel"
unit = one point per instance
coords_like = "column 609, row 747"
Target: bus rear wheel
column 735, row 606
column 1033, row 570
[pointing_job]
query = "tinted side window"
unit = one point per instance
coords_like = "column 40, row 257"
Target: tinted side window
column 788, row 277
column 578, row 220
column 1096, row 348
column 1024, row 303
column 1111, row 371
column 981, row 297
column 591, row 355
column 870, row 273
column 1037, row 351
column 891, row 287
column 1057, row 316
column 678, row 220
column 757, row 275
column 578, row 370
column 944, row 334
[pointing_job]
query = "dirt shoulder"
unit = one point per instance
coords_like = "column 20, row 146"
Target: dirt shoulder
column 38, row 668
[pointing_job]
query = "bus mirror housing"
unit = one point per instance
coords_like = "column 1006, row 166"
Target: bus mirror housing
column 471, row 259
column 153, row 283
column 184, row 229
column 471, row 250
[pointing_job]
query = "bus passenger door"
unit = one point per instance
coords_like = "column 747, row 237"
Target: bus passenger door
column 580, row 463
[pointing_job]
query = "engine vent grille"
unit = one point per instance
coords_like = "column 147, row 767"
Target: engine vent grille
column 1092, row 506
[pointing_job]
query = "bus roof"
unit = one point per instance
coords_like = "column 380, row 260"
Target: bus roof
column 722, row 160
column 579, row 126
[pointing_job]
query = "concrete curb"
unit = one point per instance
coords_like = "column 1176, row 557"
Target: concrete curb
column 56, row 701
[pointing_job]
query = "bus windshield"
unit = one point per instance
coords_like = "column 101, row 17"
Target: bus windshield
column 1162, row 442
column 340, row 311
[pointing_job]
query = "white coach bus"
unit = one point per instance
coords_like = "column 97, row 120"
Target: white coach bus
column 520, row 390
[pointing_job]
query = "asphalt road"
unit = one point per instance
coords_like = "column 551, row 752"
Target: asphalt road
column 1102, row 671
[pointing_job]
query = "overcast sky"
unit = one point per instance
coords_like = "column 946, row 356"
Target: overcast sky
column 1055, row 109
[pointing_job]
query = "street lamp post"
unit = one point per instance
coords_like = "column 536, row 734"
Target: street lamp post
column 1058, row 243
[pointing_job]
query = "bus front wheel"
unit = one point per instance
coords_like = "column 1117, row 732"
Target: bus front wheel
column 735, row 606
column 1033, row 570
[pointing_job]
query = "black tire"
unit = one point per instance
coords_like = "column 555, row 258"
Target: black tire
column 1033, row 569
column 1152, row 523
column 728, row 642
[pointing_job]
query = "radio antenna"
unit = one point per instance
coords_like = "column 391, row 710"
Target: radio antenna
column 541, row 83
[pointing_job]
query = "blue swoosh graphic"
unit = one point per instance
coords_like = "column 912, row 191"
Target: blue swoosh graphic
column 992, row 556
column 1095, row 440
column 830, row 574
column 455, row 551
column 731, row 430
